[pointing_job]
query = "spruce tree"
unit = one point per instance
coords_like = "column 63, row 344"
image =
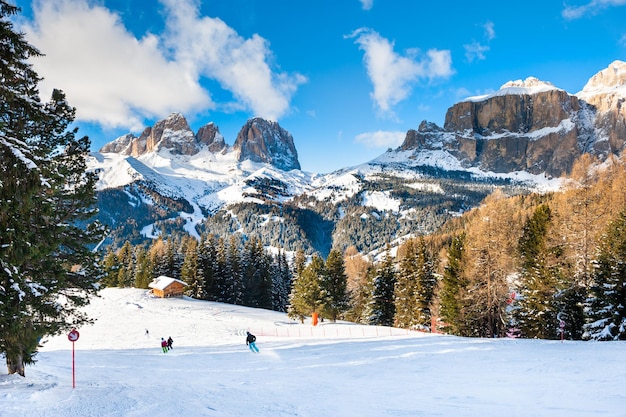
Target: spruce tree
column 334, row 285
column 406, row 287
column 306, row 295
column 382, row 308
column 282, row 278
column 208, row 267
column 606, row 306
column 190, row 271
column 143, row 272
column 426, row 281
column 451, row 287
column 222, row 279
column 111, row 269
column 233, row 273
column 47, row 200
column 536, row 310
column 126, row 260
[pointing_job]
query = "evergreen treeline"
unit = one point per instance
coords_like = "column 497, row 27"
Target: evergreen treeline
column 536, row 266
column 214, row 269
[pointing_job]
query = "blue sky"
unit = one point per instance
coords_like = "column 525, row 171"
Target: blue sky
column 347, row 78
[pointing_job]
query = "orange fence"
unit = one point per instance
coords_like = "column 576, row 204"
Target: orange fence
column 331, row 330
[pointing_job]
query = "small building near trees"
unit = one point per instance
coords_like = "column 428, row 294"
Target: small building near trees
column 166, row 287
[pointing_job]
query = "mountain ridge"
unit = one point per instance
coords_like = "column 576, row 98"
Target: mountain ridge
column 524, row 137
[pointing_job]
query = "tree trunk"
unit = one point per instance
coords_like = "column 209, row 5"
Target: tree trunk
column 15, row 364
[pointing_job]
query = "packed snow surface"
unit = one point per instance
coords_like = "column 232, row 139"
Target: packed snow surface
column 338, row 369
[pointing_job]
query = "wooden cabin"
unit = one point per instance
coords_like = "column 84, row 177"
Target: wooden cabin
column 166, row 287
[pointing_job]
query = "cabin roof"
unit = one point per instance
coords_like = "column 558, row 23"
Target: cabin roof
column 162, row 282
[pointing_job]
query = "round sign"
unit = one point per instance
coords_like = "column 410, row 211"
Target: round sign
column 73, row 335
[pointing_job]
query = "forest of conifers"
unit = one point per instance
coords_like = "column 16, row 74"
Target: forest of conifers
column 541, row 265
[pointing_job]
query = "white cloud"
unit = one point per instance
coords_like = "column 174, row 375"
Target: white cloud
column 367, row 4
column 593, row 7
column 394, row 75
column 117, row 80
column 474, row 51
column 111, row 77
column 490, row 32
column 211, row 48
column 381, row 139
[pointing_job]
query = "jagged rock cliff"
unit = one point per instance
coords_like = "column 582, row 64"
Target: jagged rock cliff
column 172, row 133
column 259, row 140
column 263, row 141
column 210, row 136
column 532, row 126
column 606, row 93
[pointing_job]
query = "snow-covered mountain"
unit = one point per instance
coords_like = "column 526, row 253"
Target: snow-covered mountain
column 524, row 136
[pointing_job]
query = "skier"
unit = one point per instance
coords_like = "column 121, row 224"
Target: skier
column 164, row 345
column 251, row 342
column 170, row 342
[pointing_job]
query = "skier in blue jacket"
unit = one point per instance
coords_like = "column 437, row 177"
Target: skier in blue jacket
column 251, row 342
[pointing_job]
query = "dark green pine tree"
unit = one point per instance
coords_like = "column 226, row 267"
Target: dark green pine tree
column 143, row 270
column 190, row 271
column 47, row 201
column 126, row 271
column 111, row 269
column 426, row 282
column 282, row 278
column 257, row 282
column 406, row 287
column 334, row 286
column 222, row 278
column 233, row 273
column 306, row 294
column 536, row 310
column 606, row 306
column 452, row 284
column 382, row 308
column 208, row 266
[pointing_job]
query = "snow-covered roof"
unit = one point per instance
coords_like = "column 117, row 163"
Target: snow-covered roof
column 162, row 282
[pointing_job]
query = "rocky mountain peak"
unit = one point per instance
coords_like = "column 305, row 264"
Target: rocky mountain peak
column 260, row 140
column 605, row 93
column 610, row 78
column 527, row 125
column 210, row 136
column 173, row 133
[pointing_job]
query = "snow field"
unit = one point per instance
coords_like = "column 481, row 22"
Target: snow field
column 121, row 371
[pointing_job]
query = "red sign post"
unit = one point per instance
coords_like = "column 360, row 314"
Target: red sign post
column 73, row 337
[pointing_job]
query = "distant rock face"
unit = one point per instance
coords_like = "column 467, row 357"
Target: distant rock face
column 172, row 133
column 260, row 140
column 532, row 126
column 606, row 93
column 210, row 136
column 514, row 132
column 121, row 145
